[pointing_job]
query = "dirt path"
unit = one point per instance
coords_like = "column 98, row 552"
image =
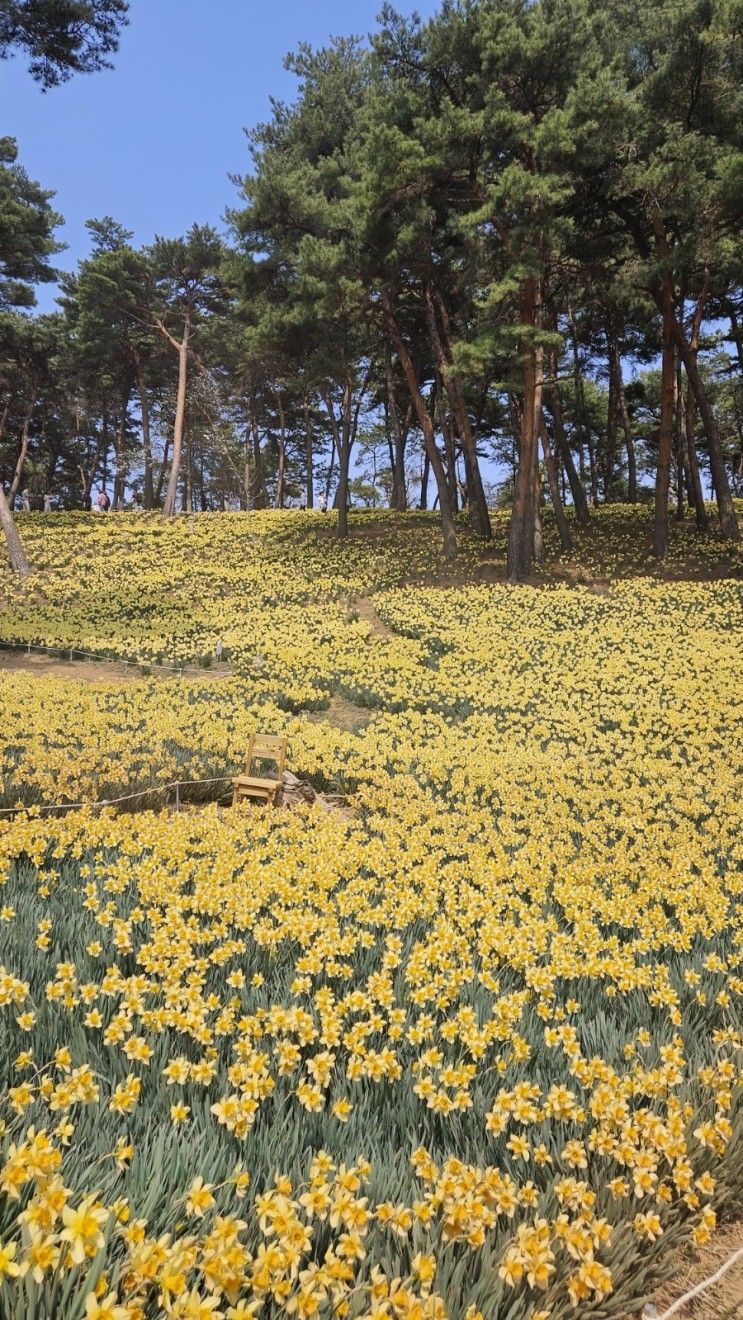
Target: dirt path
column 97, row 671
column 81, row 671
column 365, row 608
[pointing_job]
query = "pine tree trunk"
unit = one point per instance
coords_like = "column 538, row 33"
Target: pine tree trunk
column 449, row 448
column 188, row 475
column 21, row 460
column 279, row 500
column 399, row 499
column 18, row 560
column 260, row 496
column 178, row 428
column 476, row 503
column 163, row 470
column 144, row 407
column 426, row 425
column 667, row 412
column 16, row 553
column 423, row 501
column 593, row 474
column 728, row 519
column 566, row 454
column 580, row 409
column 344, row 460
column 616, row 361
column 681, row 456
column 611, row 430
column 119, row 444
column 693, row 473
column 694, row 480
column 309, row 452
column 521, row 530
column 538, row 530
column 550, row 467
column 342, row 439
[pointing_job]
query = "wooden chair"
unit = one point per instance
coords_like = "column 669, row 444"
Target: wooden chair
column 261, row 747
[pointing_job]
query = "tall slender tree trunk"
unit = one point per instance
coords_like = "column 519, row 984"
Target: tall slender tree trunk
column 16, row 553
column 399, row 498
column 538, row 530
column 426, row 425
column 260, row 495
column 342, row 435
column 144, row 409
column 202, row 485
column 350, row 430
column 694, row 477
column 521, row 531
column 425, row 474
column 477, row 505
column 344, row 459
column 163, row 470
column 280, row 481
column 309, row 456
column 577, row 491
column 179, row 425
column 616, row 367
column 681, row 456
column 667, row 413
column 593, row 471
column 550, row 467
column 119, row 446
column 18, row 560
column 515, row 413
column 728, row 519
column 610, row 452
column 581, row 421
column 449, row 447
column 21, row 460
column 188, row 474
column 88, row 477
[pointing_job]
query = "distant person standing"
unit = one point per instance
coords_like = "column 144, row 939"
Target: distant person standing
column 26, row 500
column 47, row 503
column 323, row 503
column 103, row 502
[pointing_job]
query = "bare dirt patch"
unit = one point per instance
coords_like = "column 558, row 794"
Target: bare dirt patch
column 99, row 671
column 365, row 608
column 80, row 671
column 724, row 1301
column 342, row 713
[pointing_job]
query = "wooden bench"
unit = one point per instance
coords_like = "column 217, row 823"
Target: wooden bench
column 262, row 747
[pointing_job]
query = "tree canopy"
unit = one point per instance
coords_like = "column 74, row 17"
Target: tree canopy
column 62, row 37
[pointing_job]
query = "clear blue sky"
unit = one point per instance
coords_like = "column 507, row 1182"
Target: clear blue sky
column 153, row 140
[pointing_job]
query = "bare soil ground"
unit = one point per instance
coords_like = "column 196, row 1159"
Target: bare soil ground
column 97, row 671
column 724, row 1301
column 365, row 608
column 81, row 671
column 342, row 713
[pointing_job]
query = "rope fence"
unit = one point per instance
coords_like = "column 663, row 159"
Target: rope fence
column 60, row 652
column 651, row 1313
column 174, row 787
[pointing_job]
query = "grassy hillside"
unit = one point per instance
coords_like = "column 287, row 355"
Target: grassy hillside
column 475, row 1047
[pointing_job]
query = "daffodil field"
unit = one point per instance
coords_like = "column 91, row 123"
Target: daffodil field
column 472, row 1047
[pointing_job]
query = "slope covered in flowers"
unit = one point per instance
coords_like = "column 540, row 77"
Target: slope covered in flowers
column 476, row 1048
